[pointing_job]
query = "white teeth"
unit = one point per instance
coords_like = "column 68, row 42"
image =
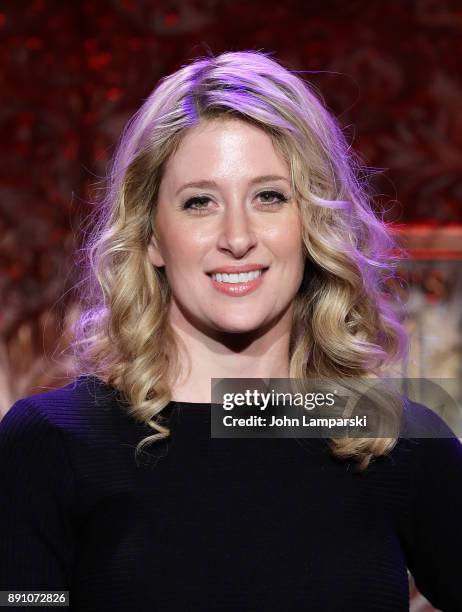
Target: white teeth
column 242, row 277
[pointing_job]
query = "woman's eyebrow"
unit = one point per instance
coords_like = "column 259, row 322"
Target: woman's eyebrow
column 257, row 179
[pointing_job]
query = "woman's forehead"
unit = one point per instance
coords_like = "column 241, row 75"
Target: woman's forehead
column 224, row 149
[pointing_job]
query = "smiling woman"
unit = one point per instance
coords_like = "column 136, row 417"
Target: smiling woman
column 236, row 239
column 230, row 166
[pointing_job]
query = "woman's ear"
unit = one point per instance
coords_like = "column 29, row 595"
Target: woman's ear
column 154, row 254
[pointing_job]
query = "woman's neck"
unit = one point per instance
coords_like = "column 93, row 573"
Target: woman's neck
column 229, row 356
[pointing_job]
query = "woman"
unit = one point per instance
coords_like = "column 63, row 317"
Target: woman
column 116, row 490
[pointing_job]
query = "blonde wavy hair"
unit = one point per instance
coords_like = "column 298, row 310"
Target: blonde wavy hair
column 344, row 322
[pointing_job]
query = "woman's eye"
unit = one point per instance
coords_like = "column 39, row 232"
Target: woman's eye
column 196, row 203
column 271, row 195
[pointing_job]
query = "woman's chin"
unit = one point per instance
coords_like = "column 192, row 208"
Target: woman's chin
column 230, row 326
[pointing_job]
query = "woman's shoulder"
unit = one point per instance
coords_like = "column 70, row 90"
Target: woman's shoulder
column 419, row 421
column 81, row 404
column 435, row 449
column 426, row 448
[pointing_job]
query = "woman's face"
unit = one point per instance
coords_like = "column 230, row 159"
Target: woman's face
column 225, row 202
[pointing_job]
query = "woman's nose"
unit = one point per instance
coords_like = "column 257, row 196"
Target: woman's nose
column 236, row 232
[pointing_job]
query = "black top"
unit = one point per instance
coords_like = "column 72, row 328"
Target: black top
column 219, row 524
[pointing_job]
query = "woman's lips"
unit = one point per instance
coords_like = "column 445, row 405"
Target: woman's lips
column 238, row 289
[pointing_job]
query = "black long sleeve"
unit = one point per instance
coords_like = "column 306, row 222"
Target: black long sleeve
column 218, row 524
column 37, row 489
column 434, row 534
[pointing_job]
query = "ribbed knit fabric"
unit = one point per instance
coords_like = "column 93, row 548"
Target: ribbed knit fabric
column 218, row 524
